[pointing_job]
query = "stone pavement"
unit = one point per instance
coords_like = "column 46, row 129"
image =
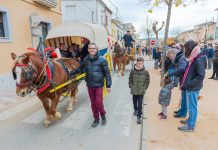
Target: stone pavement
column 164, row 135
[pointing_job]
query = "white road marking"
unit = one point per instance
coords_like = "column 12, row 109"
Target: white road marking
column 121, row 117
column 79, row 117
column 36, row 117
column 13, row 111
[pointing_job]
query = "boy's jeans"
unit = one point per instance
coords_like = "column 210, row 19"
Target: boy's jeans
column 192, row 99
column 209, row 63
column 137, row 104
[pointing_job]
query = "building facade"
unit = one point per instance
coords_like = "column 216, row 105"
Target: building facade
column 187, row 35
column 94, row 11
column 202, row 33
column 205, row 33
column 23, row 23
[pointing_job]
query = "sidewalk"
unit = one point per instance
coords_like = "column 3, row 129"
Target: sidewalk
column 164, row 135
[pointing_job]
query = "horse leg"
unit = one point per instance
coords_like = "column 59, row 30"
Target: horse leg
column 119, row 68
column 45, row 103
column 54, row 115
column 123, row 69
column 114, row 64
column 72, row 101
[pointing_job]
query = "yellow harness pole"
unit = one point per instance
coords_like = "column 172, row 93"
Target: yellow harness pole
column 68, row 82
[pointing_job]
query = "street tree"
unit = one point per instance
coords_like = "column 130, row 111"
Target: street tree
column 147, row 29
column 169, row 3
column 155, row 30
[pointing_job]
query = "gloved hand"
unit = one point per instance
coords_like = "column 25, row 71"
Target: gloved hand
column 166, row 76
column 72, row 74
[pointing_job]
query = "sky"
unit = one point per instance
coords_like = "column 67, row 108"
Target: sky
column 182, row 18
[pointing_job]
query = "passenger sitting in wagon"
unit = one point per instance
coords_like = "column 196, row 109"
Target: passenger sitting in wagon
column 72, row 50
column 63, row 51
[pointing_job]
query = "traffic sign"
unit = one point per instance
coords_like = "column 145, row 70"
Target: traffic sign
column 152, row 42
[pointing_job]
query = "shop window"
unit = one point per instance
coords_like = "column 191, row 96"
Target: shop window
column 5, row 34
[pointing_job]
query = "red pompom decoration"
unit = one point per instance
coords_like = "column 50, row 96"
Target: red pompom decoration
column 54, row 54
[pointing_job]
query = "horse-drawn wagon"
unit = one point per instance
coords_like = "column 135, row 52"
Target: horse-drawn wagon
column 35, row 71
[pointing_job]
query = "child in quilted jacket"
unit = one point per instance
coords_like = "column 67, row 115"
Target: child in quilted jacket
column 165, row 96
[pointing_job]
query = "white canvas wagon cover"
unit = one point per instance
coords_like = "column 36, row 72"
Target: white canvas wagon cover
column 94, row 33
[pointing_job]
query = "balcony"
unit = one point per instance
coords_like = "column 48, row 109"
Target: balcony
column 47, row 3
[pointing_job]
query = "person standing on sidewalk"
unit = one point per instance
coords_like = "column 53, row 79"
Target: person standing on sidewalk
column 210, row 56
column 215, row 65
column 96, row 69
column 157, row 63
column 139, row 80
column 192, row 82
column 180, row 62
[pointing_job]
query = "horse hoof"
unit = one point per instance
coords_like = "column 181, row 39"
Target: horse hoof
column 69, row 108
column 58, row 116
column 75, row 101
column 47, row 123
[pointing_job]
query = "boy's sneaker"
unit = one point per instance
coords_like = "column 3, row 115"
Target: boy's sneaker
column 160, row 114
column 104, row 120
column 186, row 128
column 139, row 120
column 135, row 113
column 163, row 117
column 176, row 112
column 95, row 123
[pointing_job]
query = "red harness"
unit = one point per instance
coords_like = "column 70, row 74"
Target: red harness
column 49, row 78
column 47, row 72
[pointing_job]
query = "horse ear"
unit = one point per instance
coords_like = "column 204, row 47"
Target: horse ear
column 13, row 56
column 25, row 59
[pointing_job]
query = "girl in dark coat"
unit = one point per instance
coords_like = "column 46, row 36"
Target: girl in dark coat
column 192, row 82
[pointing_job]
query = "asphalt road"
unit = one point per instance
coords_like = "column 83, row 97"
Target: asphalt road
column 21, row 126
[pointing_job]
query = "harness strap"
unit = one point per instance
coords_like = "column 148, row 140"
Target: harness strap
column 49, row 78
column 63, row 66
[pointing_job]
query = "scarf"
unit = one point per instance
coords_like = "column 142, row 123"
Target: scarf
column 195, row 52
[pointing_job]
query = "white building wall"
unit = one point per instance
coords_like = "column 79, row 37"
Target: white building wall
column 84, row 11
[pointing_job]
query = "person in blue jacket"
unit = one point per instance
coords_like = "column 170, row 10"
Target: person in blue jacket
column 210, row 56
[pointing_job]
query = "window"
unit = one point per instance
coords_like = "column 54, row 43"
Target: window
column 5, row 32
column 70, row 12
column 2, row 32
column 44, row 27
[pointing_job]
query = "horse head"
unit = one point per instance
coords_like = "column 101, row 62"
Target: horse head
column 25, row 71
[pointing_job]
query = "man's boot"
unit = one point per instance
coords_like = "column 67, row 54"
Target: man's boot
column 95, row 123
column 104, row 120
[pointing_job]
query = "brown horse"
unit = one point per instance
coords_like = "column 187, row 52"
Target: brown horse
column 121, row 58
column 29, row 70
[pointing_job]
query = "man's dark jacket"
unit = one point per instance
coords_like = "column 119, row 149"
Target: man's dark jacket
column 96, row 69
